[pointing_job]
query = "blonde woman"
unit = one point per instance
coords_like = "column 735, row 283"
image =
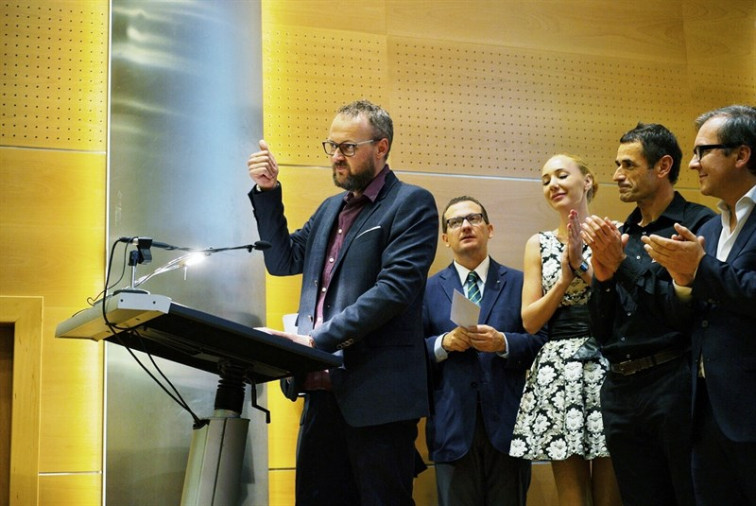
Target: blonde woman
column 560, row 416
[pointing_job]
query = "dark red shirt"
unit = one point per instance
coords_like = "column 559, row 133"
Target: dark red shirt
column 350, row 210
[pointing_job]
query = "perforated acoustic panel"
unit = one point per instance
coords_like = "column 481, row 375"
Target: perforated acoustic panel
column 53, row 74
column 309, row 74
column 463, row 108
column 504, row 111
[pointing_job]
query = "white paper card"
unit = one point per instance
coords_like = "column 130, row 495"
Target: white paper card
column 464, row 312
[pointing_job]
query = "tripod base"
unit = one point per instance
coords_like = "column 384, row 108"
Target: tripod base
column 215, row 463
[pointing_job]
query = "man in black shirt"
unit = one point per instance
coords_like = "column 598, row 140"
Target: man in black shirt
column 646, row 398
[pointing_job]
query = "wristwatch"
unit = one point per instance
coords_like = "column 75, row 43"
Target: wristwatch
column 582, row 268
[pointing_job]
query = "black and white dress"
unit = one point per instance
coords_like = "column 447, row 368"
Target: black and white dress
column 560, row 414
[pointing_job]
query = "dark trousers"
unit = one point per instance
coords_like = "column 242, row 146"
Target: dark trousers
column 724, row 471
column 647, row 420
column 484, row 476
column 352, row 466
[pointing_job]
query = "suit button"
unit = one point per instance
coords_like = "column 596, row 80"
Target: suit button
column 474, row 384
column 705, row 323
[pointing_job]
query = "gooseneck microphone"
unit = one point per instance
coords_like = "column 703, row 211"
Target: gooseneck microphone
column 146, row 242
column 260, row 245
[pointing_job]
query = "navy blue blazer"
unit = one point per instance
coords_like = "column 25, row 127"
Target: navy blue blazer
column 725, row 329
column 464, row 377
column 373, row 307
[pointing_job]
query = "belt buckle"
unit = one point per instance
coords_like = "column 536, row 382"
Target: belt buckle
column 629, row 367
column 624, row 368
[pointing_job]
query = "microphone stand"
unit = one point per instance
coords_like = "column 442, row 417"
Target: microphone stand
column 183, row 261
column 142, row 255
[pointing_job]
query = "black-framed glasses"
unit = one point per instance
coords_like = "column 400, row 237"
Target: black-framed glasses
column 472, row 219
column 700, row 151
column 346, row 148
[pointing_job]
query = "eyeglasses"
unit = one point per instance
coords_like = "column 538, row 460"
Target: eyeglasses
column 472, row 219
column 346, row 148
column 700, row 151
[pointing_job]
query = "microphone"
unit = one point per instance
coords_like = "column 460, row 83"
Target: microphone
column 145, row 242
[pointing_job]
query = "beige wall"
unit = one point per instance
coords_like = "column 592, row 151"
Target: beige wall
column 482, row 92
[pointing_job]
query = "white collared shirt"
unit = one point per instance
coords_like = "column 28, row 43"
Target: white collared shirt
column 481, row 270
column 743, row 209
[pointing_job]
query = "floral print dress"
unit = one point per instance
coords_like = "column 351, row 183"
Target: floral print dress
column 560, row 414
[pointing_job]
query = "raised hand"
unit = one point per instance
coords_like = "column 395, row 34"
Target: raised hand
column 607, row 245
column 263, row 168
column 680, row 255
column 574, row 240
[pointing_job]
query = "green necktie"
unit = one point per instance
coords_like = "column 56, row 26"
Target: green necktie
column 471, row 287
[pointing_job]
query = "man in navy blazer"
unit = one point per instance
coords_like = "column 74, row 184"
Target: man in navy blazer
column 719, row 271
column 364, row 258
column 478, row 371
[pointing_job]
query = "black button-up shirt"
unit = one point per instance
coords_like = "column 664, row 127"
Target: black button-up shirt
column 633, row 314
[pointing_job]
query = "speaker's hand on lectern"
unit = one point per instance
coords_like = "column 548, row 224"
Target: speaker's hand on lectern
column 297, row 338
column 263, row 168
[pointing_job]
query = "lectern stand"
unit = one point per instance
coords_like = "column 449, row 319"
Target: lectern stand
column 237, row 353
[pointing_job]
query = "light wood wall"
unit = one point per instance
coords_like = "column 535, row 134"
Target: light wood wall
column 482, row 93
column 53, row 121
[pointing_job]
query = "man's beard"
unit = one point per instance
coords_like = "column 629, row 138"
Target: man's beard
column 355, row 182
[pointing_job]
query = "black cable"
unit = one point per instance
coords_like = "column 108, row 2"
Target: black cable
column 176, row 398
column 183, row 403
column 92, row 301
column 115, row 330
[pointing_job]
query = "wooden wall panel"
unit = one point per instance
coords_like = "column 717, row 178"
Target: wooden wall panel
column 52, row 218
column 503, row 111
column 645, row 29
column 53, row 136
column 54, row 81
column 281, row 487
column 71, row 430
column 25, row 316
column 721, row 68
column 70, row 490
column 300, row 68
column 462, row 108
column 283, row 429
column 369, row 17
column 54, row 226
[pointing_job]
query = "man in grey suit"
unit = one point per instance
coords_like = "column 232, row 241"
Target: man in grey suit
column 364, row 257
column 718, row 270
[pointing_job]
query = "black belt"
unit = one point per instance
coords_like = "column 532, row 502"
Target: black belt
column 629, row 367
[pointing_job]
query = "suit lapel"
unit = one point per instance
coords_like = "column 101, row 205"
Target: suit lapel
column 358, row 226
column 450, row 282
column 712, row 241
column 749, row 228
column 328, row 220
column 494, row 284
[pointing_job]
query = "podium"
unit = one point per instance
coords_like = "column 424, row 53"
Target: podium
column 239, row 354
